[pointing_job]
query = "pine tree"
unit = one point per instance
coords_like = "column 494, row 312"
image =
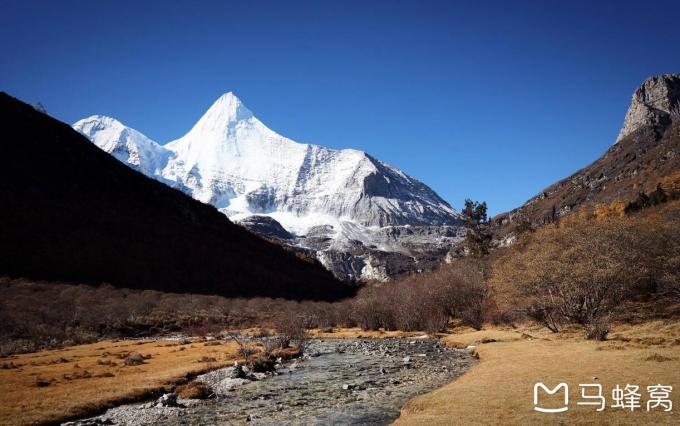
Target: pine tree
column 475, row 220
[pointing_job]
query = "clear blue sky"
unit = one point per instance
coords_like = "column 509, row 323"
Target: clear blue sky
column 492, row 101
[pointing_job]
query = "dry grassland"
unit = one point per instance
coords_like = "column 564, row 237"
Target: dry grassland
column 499, row 390
column 54, row 385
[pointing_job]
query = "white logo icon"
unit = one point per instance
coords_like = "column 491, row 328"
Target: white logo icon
column 553, row 391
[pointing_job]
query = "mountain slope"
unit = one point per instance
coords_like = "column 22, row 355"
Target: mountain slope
column 73, row 213
column 231, row 160
column 646, row 151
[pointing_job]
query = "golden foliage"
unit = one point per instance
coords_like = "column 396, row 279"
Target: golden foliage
column 616, row 208
column 671, row 183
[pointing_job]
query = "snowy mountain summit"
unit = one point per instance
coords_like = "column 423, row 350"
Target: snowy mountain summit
column 327, row 199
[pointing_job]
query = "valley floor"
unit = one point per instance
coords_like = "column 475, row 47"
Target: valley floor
column 77, row 381
column 499, row 389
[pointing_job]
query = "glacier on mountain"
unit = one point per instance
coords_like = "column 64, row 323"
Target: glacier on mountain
column 231, row 160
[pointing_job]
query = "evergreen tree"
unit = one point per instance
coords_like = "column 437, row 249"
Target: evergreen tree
column 475, row 220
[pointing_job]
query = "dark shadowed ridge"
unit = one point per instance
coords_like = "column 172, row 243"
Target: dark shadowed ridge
column 71, row 212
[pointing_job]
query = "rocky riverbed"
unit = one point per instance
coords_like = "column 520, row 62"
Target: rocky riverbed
column 337, row 382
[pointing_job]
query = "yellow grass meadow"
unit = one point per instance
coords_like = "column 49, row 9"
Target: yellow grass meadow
column 54, row 385
column 499, row 390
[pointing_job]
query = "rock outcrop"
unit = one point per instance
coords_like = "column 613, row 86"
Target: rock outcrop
column 656, row 102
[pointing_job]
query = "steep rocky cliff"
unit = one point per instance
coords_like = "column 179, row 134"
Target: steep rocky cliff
column 655, row 103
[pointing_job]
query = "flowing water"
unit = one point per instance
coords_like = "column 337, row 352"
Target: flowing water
column 348, row 382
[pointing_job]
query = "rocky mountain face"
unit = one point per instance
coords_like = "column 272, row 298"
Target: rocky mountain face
column 72, row 213
column 362, row 218
column 655, row 103
column 646, row 152
column 384, row 252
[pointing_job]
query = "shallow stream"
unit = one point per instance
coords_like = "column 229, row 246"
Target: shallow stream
column 348, row 382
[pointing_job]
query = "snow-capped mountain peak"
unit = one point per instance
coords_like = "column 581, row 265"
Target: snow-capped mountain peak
column 215, row 128
column 224, row 113
column 232, row 160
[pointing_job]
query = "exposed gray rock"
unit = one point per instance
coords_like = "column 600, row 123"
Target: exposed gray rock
column 40, row 107
column 265, row 226
column 377, row 254
column 167, row 400
column 656, row 101
column 224, row 380
column 238, row 372
column 646, row 149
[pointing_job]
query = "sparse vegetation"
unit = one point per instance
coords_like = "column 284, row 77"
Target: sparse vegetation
column 658, row 196
column 598, row 329
column 580, row 270
column 40, row 315
column 498, row 390
column 425, row 302
column 291, row 329
column 36, row 315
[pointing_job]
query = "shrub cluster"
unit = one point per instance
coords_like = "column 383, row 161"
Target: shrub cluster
column 581, row 269
column 425, row 302
column 38, row 315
